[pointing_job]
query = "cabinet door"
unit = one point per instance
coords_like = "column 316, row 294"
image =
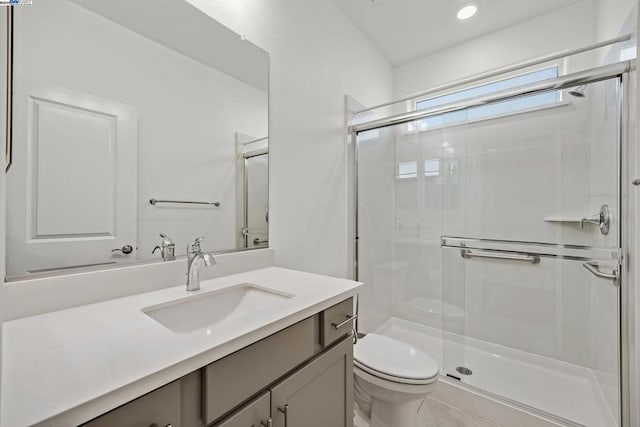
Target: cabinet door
column 319, row 394
column 232, row 380
column 254, row 414
column 160, row 407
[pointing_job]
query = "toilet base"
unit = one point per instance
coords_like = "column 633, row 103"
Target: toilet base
column 395, row 414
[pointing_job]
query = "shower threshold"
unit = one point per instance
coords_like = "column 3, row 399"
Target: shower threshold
column 561, row 389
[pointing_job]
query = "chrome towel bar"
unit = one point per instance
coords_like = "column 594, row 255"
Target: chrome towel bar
column 467, row 254
column 156, row 201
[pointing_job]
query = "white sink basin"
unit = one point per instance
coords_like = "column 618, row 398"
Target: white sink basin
column 212, row 308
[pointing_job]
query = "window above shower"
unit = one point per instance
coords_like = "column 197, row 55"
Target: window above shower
column 493, row 110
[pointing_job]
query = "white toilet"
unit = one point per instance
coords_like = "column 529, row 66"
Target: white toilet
column 392, row 379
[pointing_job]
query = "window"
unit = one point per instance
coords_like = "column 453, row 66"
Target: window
column 407, row 170
column 491, row 110
column 432, row 167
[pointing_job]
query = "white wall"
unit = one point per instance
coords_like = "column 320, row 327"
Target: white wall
column 611, row 17
column 317, row 56
column 188, row 115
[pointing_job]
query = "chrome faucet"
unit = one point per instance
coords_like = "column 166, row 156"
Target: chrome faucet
column 195, row 259
column 167, row 249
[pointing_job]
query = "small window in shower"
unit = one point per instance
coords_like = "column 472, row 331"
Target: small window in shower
column 491, row 110
column 407, row 170
column 432, row 167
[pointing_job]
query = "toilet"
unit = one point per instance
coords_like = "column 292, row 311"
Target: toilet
column 391, row 380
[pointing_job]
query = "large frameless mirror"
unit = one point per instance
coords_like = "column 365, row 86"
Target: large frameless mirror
column 131, row 120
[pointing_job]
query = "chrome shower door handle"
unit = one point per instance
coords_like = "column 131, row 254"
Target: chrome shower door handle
column 594, row 268
column 602, row 219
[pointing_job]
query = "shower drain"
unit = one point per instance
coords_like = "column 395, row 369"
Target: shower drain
column 463, row 370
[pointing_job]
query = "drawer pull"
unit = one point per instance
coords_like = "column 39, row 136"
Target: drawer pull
column 156, row 425
column 285, row 412
column 341, row 324
column 269, row 423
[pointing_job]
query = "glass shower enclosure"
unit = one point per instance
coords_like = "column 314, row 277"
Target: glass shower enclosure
column 490, row 238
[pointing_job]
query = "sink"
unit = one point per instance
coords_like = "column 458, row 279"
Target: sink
column 214, row 307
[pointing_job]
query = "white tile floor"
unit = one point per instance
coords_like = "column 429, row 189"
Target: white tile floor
column 434, row 413
column 559, row 388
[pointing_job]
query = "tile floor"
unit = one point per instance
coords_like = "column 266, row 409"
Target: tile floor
column 435, row 413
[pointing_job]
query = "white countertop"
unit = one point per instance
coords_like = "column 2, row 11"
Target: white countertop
column 66, row 367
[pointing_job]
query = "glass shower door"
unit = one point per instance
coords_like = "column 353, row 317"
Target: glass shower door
column 530, row 256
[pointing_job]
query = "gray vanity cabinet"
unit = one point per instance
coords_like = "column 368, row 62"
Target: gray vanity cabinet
column 302, row 373
column 319, row 394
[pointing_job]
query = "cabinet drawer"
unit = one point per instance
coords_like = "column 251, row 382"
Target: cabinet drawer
column 161, row 407
column 232, row 379
column 334, row 316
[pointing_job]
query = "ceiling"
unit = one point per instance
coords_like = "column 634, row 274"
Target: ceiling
column 405, row 30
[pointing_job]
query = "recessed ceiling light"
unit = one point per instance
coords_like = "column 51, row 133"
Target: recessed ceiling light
column 466, row 12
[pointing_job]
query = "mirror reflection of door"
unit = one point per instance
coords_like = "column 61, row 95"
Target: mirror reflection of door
column 72, row 185
column 253, row 191
column 257, row 200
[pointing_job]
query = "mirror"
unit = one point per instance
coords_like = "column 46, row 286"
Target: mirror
column 132, row 119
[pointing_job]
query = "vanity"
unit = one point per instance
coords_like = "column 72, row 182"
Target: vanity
column 159, row 121
column 279, row 354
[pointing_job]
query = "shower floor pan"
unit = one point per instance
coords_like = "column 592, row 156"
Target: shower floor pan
column 562, row 389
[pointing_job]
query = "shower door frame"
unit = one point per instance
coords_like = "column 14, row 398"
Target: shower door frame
column 620, row 71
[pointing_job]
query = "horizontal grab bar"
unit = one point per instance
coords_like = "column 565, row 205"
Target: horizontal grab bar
column 156, row 201
column 533, row 259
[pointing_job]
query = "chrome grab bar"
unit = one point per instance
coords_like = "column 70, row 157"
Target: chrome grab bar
column 156, row 201
column 467, row 254
column 593, row 267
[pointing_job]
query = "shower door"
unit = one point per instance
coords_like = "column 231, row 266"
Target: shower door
column 531, row 254
column 490, row 238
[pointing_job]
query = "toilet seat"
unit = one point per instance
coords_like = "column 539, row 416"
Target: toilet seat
column 393, row 360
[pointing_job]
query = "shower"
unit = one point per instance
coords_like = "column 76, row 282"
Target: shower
column 474, row 253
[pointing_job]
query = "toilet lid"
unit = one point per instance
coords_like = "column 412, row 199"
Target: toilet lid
column 392, row 359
